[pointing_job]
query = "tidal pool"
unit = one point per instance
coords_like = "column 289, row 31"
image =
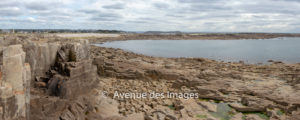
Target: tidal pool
column 249, row 51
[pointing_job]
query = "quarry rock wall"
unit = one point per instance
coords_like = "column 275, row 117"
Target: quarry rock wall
column 68, row 70
column 15, row 78
column 40, row 56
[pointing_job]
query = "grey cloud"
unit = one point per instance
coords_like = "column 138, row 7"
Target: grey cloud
column 106, row 17
column 115, row 6
column 147, row 20
column 153, row 20
column 8, row 4
column 200, row 6
column 213, row 16
column 161, row 5
column 15, row 19
column 266, row 7
column 137, row 21
column 294, row 24
column 208, row 7
column 259, row 6
column 43, row 5
column 289, row 0
column 58, row 18
column 175, row 15
column 199, row 1
column 98, row 15
column 13, row 11
column 54, row 13
column 87, row 11
column 41, row 13
column 36, row 6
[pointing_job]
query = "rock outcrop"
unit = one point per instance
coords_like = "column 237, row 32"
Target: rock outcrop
column 60, row 74
column 68, row 82
column 73, row 71
column 14, row 84
column 62, row 79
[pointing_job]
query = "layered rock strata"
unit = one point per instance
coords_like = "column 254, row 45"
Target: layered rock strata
column 70, row 76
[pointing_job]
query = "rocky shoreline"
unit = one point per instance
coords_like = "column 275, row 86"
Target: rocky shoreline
column 261, row 89
column 71, row 79
column 203, row 36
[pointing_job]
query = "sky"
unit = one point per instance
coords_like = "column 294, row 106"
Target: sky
column 153, row 15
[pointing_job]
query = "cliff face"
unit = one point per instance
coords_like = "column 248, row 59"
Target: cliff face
column 15, row 83
column 60, row 74
column 40, row 56
column 69, row 76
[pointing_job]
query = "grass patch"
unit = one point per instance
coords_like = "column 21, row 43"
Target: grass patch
column 204, row 99
column 207, row 100
column 86, row 113
column 244, row 117
column 172, row 107
column 224, row 112
column 262, row 115
column 280, row 112
column 217, row 101
column 201, row 116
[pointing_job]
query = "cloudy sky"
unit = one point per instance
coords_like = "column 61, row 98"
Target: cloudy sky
column 162, row 15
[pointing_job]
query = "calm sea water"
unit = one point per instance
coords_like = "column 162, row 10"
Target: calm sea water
column 250, row 51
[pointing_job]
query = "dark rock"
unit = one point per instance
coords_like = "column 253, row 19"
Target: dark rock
column 54, row 85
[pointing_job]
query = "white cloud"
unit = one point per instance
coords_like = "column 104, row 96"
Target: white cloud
column 143, row 15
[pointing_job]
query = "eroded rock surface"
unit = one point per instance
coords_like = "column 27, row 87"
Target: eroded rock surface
column 68, row 82
column 243, row 88
column 14, row 84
